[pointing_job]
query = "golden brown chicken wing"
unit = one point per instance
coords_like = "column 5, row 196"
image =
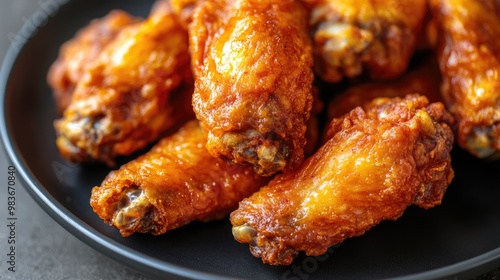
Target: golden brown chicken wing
column 138, row 88
column 252, row 62
column 469, row 56
column 378, row 161
column 352, row 37
column 184, row 9
column 424, row 78
column 76, row 55
column 175, row 183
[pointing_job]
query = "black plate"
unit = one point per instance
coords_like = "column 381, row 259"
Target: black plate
column 459, row 238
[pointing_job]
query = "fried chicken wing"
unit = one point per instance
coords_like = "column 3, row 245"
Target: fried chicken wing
column 76, row 55
column 352, row 37
column 469, row 56
column 184, row 9
column 175, row 183
column 139, row 87
column 378, row 161
column 252, row 62
column 424, row 78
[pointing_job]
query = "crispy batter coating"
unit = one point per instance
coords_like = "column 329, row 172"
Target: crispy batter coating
column 424, row 78
column 138, row 88
column 184, row 9
column 76, row 55
column 469, row 56
column 352, row 37
column 378, row 161
column 175, row 183
column 252, row 62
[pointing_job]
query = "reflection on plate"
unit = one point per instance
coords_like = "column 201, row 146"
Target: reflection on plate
column 460, row 237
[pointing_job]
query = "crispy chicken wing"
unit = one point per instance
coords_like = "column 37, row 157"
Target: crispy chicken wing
column 424, row 78
column 76, row 55
column 469, row 56
column 252, row 62
column 351, row 37
column 378, row 161
column 184, row 9
column 138, row 88
column 175, row 183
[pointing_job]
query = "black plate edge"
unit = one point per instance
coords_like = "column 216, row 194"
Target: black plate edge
column 77, row 227
column 138, row 261
column 462, row 270
column 107, row 246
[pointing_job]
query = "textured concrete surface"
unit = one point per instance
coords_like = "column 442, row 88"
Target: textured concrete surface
column 44, row 250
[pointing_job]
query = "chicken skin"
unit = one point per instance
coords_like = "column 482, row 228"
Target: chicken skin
column 184, row 9
column 175, row 183
column 469, row 56
column 376, row 37
column 378, row 161
column 77, row 54
column 424, row 78
column 252, row 62
column 138, row 88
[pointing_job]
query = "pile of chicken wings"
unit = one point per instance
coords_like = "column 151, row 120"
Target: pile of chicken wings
column 306, row 121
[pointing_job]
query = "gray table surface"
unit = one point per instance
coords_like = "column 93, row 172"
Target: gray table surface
column 44, row 250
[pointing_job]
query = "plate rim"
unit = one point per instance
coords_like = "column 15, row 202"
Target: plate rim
column 125, row 255
column 78, row 227
column 65, row 218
